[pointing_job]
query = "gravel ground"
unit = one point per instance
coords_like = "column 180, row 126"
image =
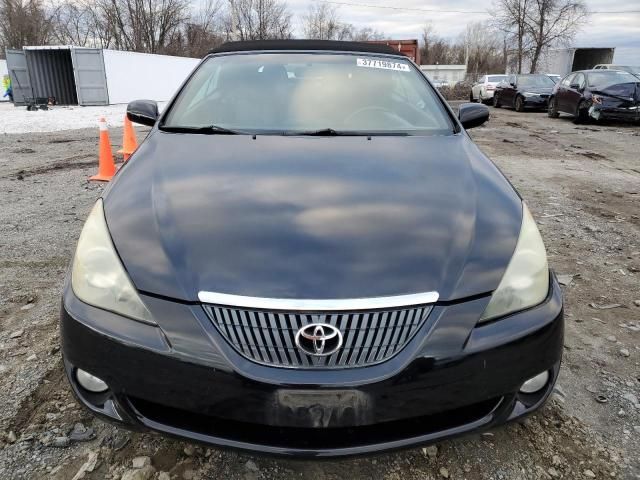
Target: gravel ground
column 582, row 184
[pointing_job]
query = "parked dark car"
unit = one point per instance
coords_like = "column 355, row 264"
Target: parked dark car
column 524, row 91
column 597, row 94
column 308, row 255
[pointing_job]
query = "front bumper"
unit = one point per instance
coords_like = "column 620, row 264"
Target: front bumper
column 538, row 101
column 488, row 94
column 183, row 380
column 599, row 112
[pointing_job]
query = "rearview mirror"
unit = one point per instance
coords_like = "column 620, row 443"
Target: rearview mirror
column 144, row 112
column 473, row 115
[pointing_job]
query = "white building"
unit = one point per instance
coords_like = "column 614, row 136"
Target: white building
column 445, row 74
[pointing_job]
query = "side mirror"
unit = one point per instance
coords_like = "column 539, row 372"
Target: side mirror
column 144, row 112
column 473, row 115
column 575, row 86
column 512, row 84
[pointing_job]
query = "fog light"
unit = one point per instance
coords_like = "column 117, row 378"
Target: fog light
column 90, row 382
column 535, row 384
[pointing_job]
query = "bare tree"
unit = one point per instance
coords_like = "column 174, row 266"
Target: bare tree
column 77, row 23
column 321, row 22
column 367, row 33
column 258, row 20
column 510, row 16
column 202, row 32
column 552, row 22
column 143, row 25
column 153, row 26
column 483, row 49
column 536, row 25
column 24, row 22
column 436, row 50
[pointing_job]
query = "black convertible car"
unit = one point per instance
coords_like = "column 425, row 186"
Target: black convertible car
column 309, row 256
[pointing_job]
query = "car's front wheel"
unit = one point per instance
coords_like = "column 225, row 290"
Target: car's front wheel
column 582, row 112
column 552, row 110
column 519, row 105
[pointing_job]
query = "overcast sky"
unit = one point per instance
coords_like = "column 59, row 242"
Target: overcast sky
column 603, row 30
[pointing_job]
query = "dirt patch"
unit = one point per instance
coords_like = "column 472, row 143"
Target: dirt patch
column 594, row 155
column 68, row 163
column 63, row 140
column 33, row 408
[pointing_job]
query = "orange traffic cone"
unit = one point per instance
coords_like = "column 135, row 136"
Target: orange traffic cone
column 129, row 142
column 106, row 167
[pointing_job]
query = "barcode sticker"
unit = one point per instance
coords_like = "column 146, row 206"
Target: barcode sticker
column 382, row 64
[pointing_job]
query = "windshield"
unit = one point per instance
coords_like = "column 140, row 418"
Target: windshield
column 535, row 81
column 606, row 78
column 496, row 78
column 288, row 93
column 635, row 70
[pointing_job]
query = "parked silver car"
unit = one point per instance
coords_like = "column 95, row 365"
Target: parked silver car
column 482, row 90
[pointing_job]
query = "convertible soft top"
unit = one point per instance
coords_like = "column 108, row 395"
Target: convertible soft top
column 332, row 45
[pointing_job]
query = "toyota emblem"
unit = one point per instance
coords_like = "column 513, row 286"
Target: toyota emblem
column 319, row 339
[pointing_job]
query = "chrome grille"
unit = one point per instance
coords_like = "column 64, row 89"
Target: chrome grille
column 268, row 337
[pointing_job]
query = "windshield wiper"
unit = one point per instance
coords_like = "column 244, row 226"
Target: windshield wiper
column 330, row 132
column 208, row 129
column 323, row 132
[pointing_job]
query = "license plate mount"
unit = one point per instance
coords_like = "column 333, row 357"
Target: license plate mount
column 322, row 409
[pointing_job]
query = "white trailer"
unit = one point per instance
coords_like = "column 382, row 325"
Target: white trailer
column 563, row 61
column 94, row 76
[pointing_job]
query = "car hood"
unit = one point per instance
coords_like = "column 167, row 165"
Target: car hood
column 625, row 92
column 312, row 217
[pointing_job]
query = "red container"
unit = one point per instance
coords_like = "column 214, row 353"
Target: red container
column 409, row 47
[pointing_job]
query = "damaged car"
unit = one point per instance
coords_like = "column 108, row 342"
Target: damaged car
column 309, row 256
column 597, row 95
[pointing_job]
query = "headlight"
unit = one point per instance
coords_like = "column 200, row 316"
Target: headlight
column 525, row 283
column 530, row 94
column 97, row 277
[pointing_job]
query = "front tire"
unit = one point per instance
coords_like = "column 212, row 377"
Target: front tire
column 582, row 113
column 519, row 105
column 552, row 110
